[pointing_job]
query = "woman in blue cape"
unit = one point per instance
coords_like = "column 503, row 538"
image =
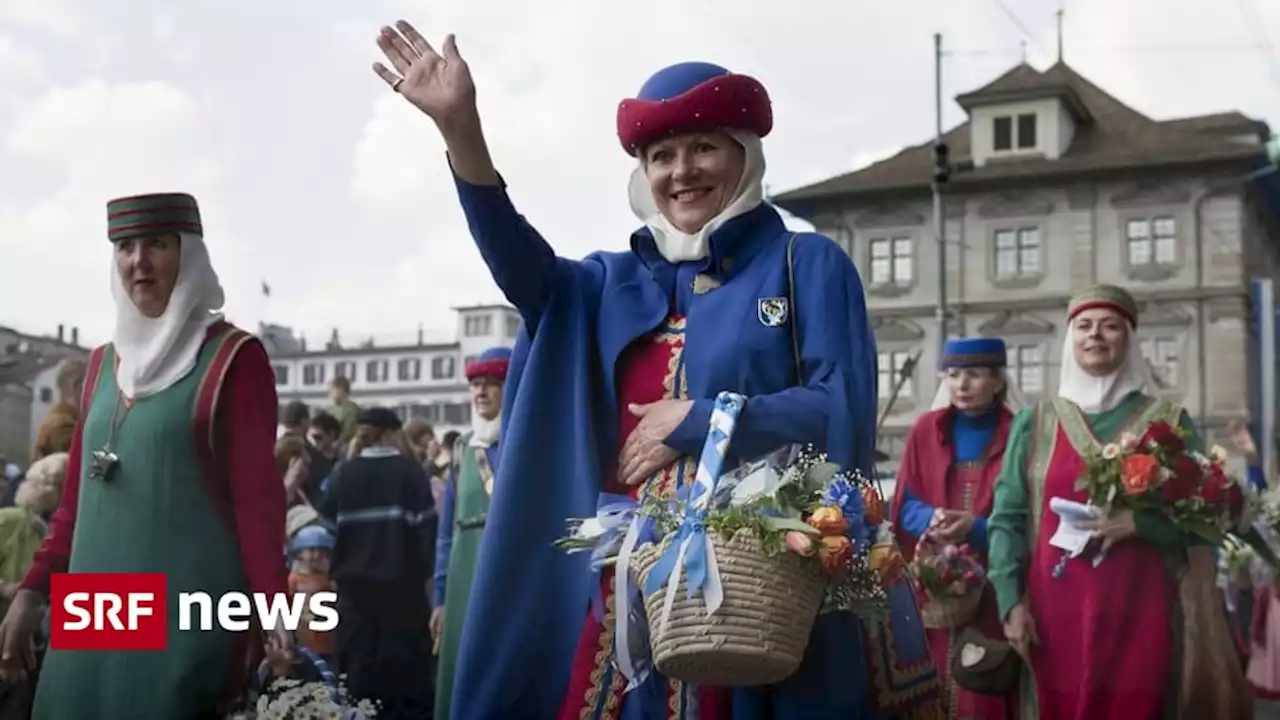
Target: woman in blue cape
column 612, row 383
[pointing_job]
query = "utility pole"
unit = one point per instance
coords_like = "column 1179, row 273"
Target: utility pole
column 1059, row 34
column 941, row 173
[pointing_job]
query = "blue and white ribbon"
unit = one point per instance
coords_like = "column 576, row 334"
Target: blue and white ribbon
column 691, row 550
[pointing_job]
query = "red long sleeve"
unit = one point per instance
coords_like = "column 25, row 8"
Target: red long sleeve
column 246, row 426
column 55, row 552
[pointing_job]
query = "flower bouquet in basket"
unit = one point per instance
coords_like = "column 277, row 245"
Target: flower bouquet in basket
column 950, row 579
column 285, row 698
column 721, row 584
column 1157, row 471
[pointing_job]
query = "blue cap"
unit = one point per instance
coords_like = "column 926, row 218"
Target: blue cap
column 973, row 352
column 312, row 536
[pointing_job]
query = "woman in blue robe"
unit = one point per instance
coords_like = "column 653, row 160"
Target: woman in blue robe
column 613, row 379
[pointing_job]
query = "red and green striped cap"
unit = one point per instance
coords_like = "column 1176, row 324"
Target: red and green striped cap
column 1112, row 297
column 150, row 215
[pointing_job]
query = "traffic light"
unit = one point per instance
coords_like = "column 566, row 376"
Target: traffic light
column 941, row 162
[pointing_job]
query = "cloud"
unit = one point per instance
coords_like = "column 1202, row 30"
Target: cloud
column 102, row 140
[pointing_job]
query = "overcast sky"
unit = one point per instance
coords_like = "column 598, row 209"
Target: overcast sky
column 314, row 177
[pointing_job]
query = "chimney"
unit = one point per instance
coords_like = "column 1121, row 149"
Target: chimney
column 75, row 336
column 420, row 335
column 60, row 329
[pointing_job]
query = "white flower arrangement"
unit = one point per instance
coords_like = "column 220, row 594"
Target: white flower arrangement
column 289, row 699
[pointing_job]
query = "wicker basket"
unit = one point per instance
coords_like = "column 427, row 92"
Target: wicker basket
column 758, row 635
column 950, row 612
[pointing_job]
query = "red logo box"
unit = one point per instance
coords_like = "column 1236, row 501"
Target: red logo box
column 108, row 611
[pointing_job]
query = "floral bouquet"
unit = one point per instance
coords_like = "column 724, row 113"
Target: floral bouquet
column 726, row 578
column 950, row 579
column 1157, row 471
column 289, row 699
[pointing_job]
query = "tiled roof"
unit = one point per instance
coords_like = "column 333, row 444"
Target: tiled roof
column 1111, row 136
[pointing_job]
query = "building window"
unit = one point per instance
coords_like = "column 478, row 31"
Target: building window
column 477, row 326
column 430, row 413
column 891, row 261
column 1162, row 354
column 409, row 369
column 281, row 373
column 1027, row 368
column 313, row 374
column 889, row 365
column 842, row 236
column 513, row 326
column 1017, row 252
column 376, row 371
column 1152, row 241
column 1003, row 135
column 345, row 369
column 443, row 367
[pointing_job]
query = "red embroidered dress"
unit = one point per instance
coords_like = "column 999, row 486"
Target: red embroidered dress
column 651, row 369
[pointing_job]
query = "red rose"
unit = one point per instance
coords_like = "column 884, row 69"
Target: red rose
column 1184, row 481
column 1215, row 487
column 1163, row 434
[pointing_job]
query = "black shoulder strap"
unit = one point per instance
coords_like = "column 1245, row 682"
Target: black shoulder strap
column 791, row 303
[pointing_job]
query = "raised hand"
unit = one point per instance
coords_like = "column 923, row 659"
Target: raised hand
column 438, row 84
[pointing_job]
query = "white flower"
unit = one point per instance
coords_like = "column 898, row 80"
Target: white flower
column 1128, row 440
column 1110, row 451
column 1218, row 453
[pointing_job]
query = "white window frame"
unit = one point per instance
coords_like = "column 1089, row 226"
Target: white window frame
column 1164, row 353
column 1015, row 135
column 444, row 367
column 409, row 369
column 1154, row 238
column 899, row 252
column 1018, row 244
column 889, row 364
column 1027, row 367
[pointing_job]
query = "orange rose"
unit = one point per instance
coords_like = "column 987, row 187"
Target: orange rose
column 874, row 504
column 829, row 520
column 1138, row 473
column 836, row 550
column 887, row 561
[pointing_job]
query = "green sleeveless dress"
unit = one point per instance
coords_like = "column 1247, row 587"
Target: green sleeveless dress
column 472, row 506
column 155, row 514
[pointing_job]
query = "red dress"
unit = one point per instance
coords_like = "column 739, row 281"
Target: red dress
column 1106, row 632
column 651, row 369
column 929, row 473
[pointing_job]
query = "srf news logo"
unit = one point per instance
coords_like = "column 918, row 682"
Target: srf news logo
column 129, row 611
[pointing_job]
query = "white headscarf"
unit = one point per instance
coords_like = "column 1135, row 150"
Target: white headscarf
column 1013, row 398
column 157, row 352
column 485, row 433
column 677, row 246
column 1095, row 394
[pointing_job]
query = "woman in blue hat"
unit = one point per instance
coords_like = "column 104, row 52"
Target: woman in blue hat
column 613, row 380
column 946, row 483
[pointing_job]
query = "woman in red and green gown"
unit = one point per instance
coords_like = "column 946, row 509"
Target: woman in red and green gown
column 1104, row 641
column 945, row 485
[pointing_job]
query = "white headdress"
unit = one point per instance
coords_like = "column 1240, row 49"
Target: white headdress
column 157, row 352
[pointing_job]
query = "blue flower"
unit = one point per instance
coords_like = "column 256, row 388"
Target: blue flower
column 846, row 495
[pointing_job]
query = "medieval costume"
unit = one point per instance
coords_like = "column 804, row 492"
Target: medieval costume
column 677, row 316
column 462, row 521
column 381, row 564
column 171, row 471
column 950, row 462
column 1105, row 648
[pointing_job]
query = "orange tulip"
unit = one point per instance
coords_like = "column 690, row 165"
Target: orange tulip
column 829, row 520
column 874, row 504
column 836, row 552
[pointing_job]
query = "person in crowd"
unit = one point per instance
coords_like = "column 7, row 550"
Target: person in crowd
column 463, row 509
column 293, row 463
column 945, row 484
column 422, row 440
column 295, row 418
column 608, row 397
column 1118, row 660
column 170, row 472
column 24, row 526
column 311, row 549
column 382, row 562
column 343, row 408
column 59, row 423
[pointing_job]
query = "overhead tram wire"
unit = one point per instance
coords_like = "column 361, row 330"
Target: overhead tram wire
column 1259, row 29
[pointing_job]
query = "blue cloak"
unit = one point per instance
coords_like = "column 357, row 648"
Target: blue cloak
column 560, row 435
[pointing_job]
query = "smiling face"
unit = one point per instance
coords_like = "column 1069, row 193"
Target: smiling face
column 1100, row 338
column 148, row 268
column 973, row 389
column 693, row 177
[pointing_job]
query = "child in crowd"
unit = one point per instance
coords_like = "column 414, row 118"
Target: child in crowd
column 311, row 550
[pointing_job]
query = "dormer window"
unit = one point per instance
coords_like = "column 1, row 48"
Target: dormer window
column 1010, row 132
